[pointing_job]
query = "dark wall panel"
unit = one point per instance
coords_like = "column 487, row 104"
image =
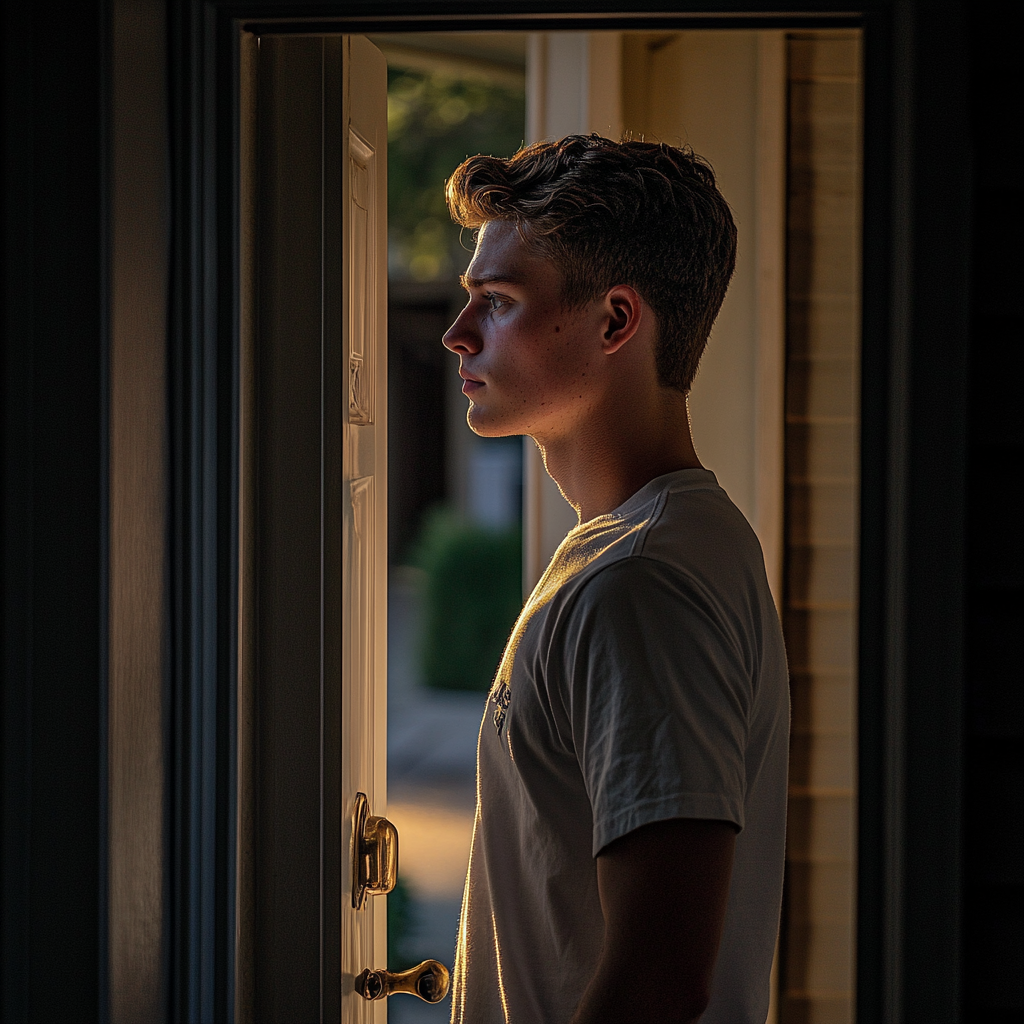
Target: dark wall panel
column 53, row 513
column 993, row 837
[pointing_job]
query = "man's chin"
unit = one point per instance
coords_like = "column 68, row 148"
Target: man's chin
column 484, row 425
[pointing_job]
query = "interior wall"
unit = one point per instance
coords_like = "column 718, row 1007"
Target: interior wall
column 54, row 224
column 138, row 439
column 993, row 852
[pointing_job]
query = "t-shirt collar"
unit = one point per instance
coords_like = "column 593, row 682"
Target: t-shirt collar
column 677, row 480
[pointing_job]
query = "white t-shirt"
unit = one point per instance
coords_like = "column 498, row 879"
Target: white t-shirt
column 644, row 680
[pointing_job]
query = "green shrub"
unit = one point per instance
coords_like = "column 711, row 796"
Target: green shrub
column 399, row 926
column 472, row 594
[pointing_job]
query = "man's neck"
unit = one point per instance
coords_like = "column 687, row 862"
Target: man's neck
column 608, row 456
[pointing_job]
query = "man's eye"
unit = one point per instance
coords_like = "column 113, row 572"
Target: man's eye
column 495, row 302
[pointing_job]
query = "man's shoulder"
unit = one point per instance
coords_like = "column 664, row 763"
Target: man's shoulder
column 692, row 520
column 695, row 568
column 635, row 590
column 678, row 541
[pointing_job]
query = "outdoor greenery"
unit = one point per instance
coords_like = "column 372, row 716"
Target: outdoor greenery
column 472, row 594
column 399, row 926
column 434, row 123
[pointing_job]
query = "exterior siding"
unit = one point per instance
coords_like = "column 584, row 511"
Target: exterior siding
column 822, row 455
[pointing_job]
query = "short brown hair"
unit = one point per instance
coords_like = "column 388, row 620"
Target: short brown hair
column 639, row 213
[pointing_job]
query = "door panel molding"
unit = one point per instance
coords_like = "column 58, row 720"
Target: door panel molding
column 364, row 571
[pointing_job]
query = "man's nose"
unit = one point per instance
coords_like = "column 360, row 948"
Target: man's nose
column 463, row 337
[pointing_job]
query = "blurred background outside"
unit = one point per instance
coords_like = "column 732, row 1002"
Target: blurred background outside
column 455, row 500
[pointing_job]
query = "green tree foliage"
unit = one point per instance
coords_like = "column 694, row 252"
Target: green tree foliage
column 434, row 123
column 471, row 598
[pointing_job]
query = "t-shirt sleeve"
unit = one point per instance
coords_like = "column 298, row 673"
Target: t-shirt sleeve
column 658, row 693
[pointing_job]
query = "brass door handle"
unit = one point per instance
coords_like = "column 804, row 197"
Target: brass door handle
column 374, row 853
column 429, row 981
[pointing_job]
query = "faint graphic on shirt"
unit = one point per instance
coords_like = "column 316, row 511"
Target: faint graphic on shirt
column 502, row 698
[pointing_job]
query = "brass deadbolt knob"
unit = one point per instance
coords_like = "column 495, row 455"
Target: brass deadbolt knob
column 429, row 981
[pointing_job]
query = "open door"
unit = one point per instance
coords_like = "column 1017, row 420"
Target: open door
column 364, row 516
column 312, row 540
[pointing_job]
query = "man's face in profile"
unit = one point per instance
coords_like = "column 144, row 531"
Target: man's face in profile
column 523, row 357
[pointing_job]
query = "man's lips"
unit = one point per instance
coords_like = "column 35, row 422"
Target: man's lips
column 470, row 383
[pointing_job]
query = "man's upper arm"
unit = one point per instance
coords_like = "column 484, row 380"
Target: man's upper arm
column 658, row 699
column 664, row 889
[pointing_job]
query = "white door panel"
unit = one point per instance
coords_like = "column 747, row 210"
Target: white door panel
column 364, row 567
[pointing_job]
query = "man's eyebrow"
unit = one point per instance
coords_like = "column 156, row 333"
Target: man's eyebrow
column 468, row 282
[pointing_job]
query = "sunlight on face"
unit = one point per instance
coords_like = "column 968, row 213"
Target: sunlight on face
column 524, row 357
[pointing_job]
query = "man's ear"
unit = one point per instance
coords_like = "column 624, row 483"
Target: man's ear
column 623, row 310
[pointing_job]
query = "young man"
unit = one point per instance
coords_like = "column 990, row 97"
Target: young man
column 630, row 826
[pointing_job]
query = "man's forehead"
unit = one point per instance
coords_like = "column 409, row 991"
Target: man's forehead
column 501, row 255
